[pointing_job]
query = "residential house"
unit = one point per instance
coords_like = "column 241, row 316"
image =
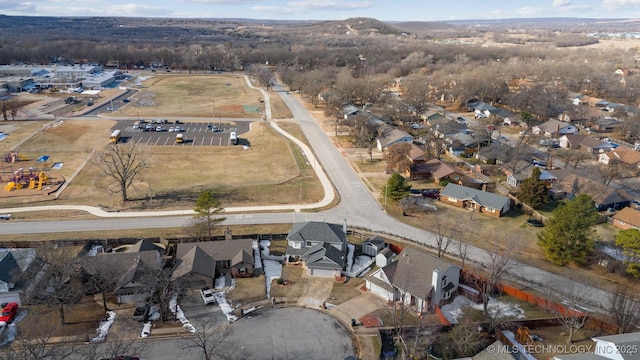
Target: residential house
column 585, row 143
column 610, row 347
column 232, row 257
column 433, row 117
column 579, row 99
column 481, row 109
column 478, row 200
column 468, row 143
column 197, row 268
column 627, row 218
column 321, row 246
column 384, row 257
column 9, row 271
column 373, row 246
column 523, row 171
column 417, row 154
column 628, row 157
column 417, row 279
column 494, row 154
column 145, row 245
column 604, row 197
column 350, row 110
column 604, row 124
column 391, row 137
column 554, row 128
column 436, row 170
column 130, row 271
column 448, row 128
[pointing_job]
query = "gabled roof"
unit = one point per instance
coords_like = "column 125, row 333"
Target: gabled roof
column 387, row 253
column 324, row 255
column 413, row 272
column 449, row 127
column 443, row 169
column 9, row 268
column 390, row 137
column 625, row 156
column 628, row 215
column 219, row 250
column 480, row 197
column 416, row 153
column 143, row 245
column 600, row 194
column 593, row 143
column 552, row 126
column 481, row 106
column 124, row 266
column 195, row 261
column 317, row 231
column 242, row 257
column 376, row 241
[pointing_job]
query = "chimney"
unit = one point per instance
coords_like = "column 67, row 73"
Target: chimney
column 435, row 282
column 227, row 234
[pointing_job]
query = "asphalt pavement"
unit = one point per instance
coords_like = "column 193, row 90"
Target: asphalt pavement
column 356, row 205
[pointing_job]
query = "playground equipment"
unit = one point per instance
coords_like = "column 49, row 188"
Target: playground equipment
column 12, row 157
column 19, row 180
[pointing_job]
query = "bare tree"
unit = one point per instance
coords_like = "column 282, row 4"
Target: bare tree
column 397, row 157
column 266, row 77
column 161, row 287
column 100, row 276
column 122, row 163
column 57, row 283
column 35, row 342
column 572, row 315
column 608, row 172
column 492, row 272
column 624, row 309
column 443, row 231
column 9, row 106
column 115, row 346
column 211, row 342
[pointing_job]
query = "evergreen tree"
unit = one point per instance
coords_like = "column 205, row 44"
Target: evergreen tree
column 207, row 207
column 533, row 191
column 629, row 241
column 397, row 187
column 569, row 234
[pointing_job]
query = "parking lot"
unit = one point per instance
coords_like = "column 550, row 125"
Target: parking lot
column 194, row 133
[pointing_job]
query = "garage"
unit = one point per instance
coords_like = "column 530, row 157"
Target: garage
column 321, row 272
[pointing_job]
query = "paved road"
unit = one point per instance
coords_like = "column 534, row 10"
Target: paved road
column 357, row 206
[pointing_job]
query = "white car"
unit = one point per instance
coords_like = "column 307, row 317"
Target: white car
column 207, row 296
column 178, row 129
column 159, row 128
column 172, row 129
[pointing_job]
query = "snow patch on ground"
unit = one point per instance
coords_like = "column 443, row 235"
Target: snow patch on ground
column 177, row 311
column 103, row 327
column 272, row 268
column 219, row 283
column 224, row 306
column 362, row 262
column 256, row 255
column 9, row 333
column 154, row 315
column 351, row 248
column 497, row 309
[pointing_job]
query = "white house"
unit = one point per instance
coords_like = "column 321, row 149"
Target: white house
column 391, row 137
column 384, row 257
column 554, row 128
column 417, row 279
column 612, row 347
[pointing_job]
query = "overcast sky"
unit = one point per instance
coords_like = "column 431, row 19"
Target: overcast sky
column 388, row 10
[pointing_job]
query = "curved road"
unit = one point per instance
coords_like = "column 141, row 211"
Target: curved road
column 356, row 205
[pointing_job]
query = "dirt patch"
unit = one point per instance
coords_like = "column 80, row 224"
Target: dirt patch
column 248, row 290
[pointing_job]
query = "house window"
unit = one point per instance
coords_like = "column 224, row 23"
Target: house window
column 242, row 271
column 309, row 244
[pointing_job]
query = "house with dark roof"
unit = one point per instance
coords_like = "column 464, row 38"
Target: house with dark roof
column 391, row 137
column 145, row 245
column 605, row 124
column 9, row 271
column 436, row 170
column 321, row 246
column 584, row 143
column 373, row 245
column 604, row 197
column 416, row 279
column 232, row 257
column 128, row 270
column 627, row 218
column 478, row 200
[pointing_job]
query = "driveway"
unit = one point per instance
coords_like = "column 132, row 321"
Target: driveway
column 290, row 333
column 357, row 307
column 316, row 292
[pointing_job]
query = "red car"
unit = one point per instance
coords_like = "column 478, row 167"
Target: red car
column 9, row 312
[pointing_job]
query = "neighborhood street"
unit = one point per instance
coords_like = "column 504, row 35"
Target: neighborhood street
column 356, row 205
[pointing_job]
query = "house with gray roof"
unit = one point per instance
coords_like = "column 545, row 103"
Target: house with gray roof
column 478, row 200
column 605, row 197
column 554, row 128
column 128, row 270
column 417, row 279
column 9, row 271
column 321, row 246
column 233, row 257
column 391, row 137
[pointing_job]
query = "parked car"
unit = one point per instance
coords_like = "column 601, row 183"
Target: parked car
column 9, row 312
column 172, row 129
column 5, row 216
column 149, row 127
column 141, row 313
column 207, row 296
column 178, row 122
column 160, row 128
column 178, row 129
